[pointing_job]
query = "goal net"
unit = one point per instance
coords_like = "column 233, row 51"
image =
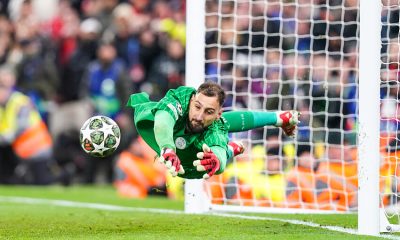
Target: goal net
column 274, row 55
column 389, row 111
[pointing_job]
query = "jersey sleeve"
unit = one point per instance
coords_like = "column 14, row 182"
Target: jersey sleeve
column 217, row 134
column 176, row 102
column 163, row 133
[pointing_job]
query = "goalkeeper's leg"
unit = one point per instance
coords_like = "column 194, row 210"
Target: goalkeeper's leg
column 246, row 120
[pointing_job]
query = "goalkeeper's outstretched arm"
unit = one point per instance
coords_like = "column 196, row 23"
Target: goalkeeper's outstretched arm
column 163, row 133
column 246, row 120
column 164, row 129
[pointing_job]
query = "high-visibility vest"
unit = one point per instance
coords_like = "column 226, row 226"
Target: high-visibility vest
column 305, row 189
column 139, row 175
column 30, row 140
column 300, row 188
column 217, row 189
column 388, row 175
column 342, row 181
column 33, row 141
column 259, row 189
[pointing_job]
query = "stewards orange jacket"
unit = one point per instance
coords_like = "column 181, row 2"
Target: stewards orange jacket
column 22, row 127
column 304, row 189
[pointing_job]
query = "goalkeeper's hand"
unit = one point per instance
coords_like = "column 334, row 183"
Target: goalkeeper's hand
column 171, row 161
column 208, row 162
column 288, row 121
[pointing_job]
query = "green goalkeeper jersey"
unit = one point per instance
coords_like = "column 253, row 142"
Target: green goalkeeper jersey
column 176, row 103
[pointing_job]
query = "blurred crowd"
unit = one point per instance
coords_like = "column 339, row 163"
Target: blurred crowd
column 276, row 55
column 69, row 60
column 64, row 61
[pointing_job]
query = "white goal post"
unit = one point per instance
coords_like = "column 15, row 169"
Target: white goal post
column 196, row 200
column 369, row 112
column 312, row 56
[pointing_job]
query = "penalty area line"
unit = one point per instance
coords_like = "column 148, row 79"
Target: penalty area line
column 109, row 207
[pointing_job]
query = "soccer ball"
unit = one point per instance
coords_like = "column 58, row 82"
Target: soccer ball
column 100, row 136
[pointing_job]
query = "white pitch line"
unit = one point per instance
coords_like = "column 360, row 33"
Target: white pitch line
column 100, row 206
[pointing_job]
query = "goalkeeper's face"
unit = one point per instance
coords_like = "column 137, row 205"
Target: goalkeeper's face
column 203, row 111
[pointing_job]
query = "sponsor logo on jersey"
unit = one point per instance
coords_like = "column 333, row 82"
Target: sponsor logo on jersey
column 180, row 143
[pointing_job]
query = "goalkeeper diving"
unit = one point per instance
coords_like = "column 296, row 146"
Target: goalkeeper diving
column 189, row 131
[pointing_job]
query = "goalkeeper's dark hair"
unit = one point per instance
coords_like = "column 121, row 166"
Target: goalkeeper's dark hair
column 212, row 89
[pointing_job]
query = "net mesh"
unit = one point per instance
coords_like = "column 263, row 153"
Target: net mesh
column 303, row 55
column 389, row 138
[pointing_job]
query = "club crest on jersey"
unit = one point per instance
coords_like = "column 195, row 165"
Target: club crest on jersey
column 180, row 143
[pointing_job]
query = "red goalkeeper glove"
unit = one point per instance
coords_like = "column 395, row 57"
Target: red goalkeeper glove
column 171, row 161
column 236, row 147
column 208, row 162
column 288, row 121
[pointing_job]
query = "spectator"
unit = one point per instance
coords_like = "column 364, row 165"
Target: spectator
column 303, row 188
column 167, row 70
column 389, row 176
column 72, row 99
column 141, row 11
column 108, row 88
column 136, row 173
column 75, row 67
column 174, row 27
column 64, row 31
column 295, row 84
column 6, row 40
column 149, row 51
column 37, row 73
column 390, row 20
column 25, row 143
column 125, row 36
column 240, row 177
column 339, row 172
column 105, row 15
column 272, row 192
column 256, row 181
column 273, row 80
column 108, row 82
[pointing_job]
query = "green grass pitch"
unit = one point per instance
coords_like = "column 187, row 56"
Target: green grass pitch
column 19, row 220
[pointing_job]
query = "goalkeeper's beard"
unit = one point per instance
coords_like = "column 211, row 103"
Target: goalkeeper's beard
column 195, row 126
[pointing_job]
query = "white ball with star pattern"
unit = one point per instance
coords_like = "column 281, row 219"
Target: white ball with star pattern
column 100, row 136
